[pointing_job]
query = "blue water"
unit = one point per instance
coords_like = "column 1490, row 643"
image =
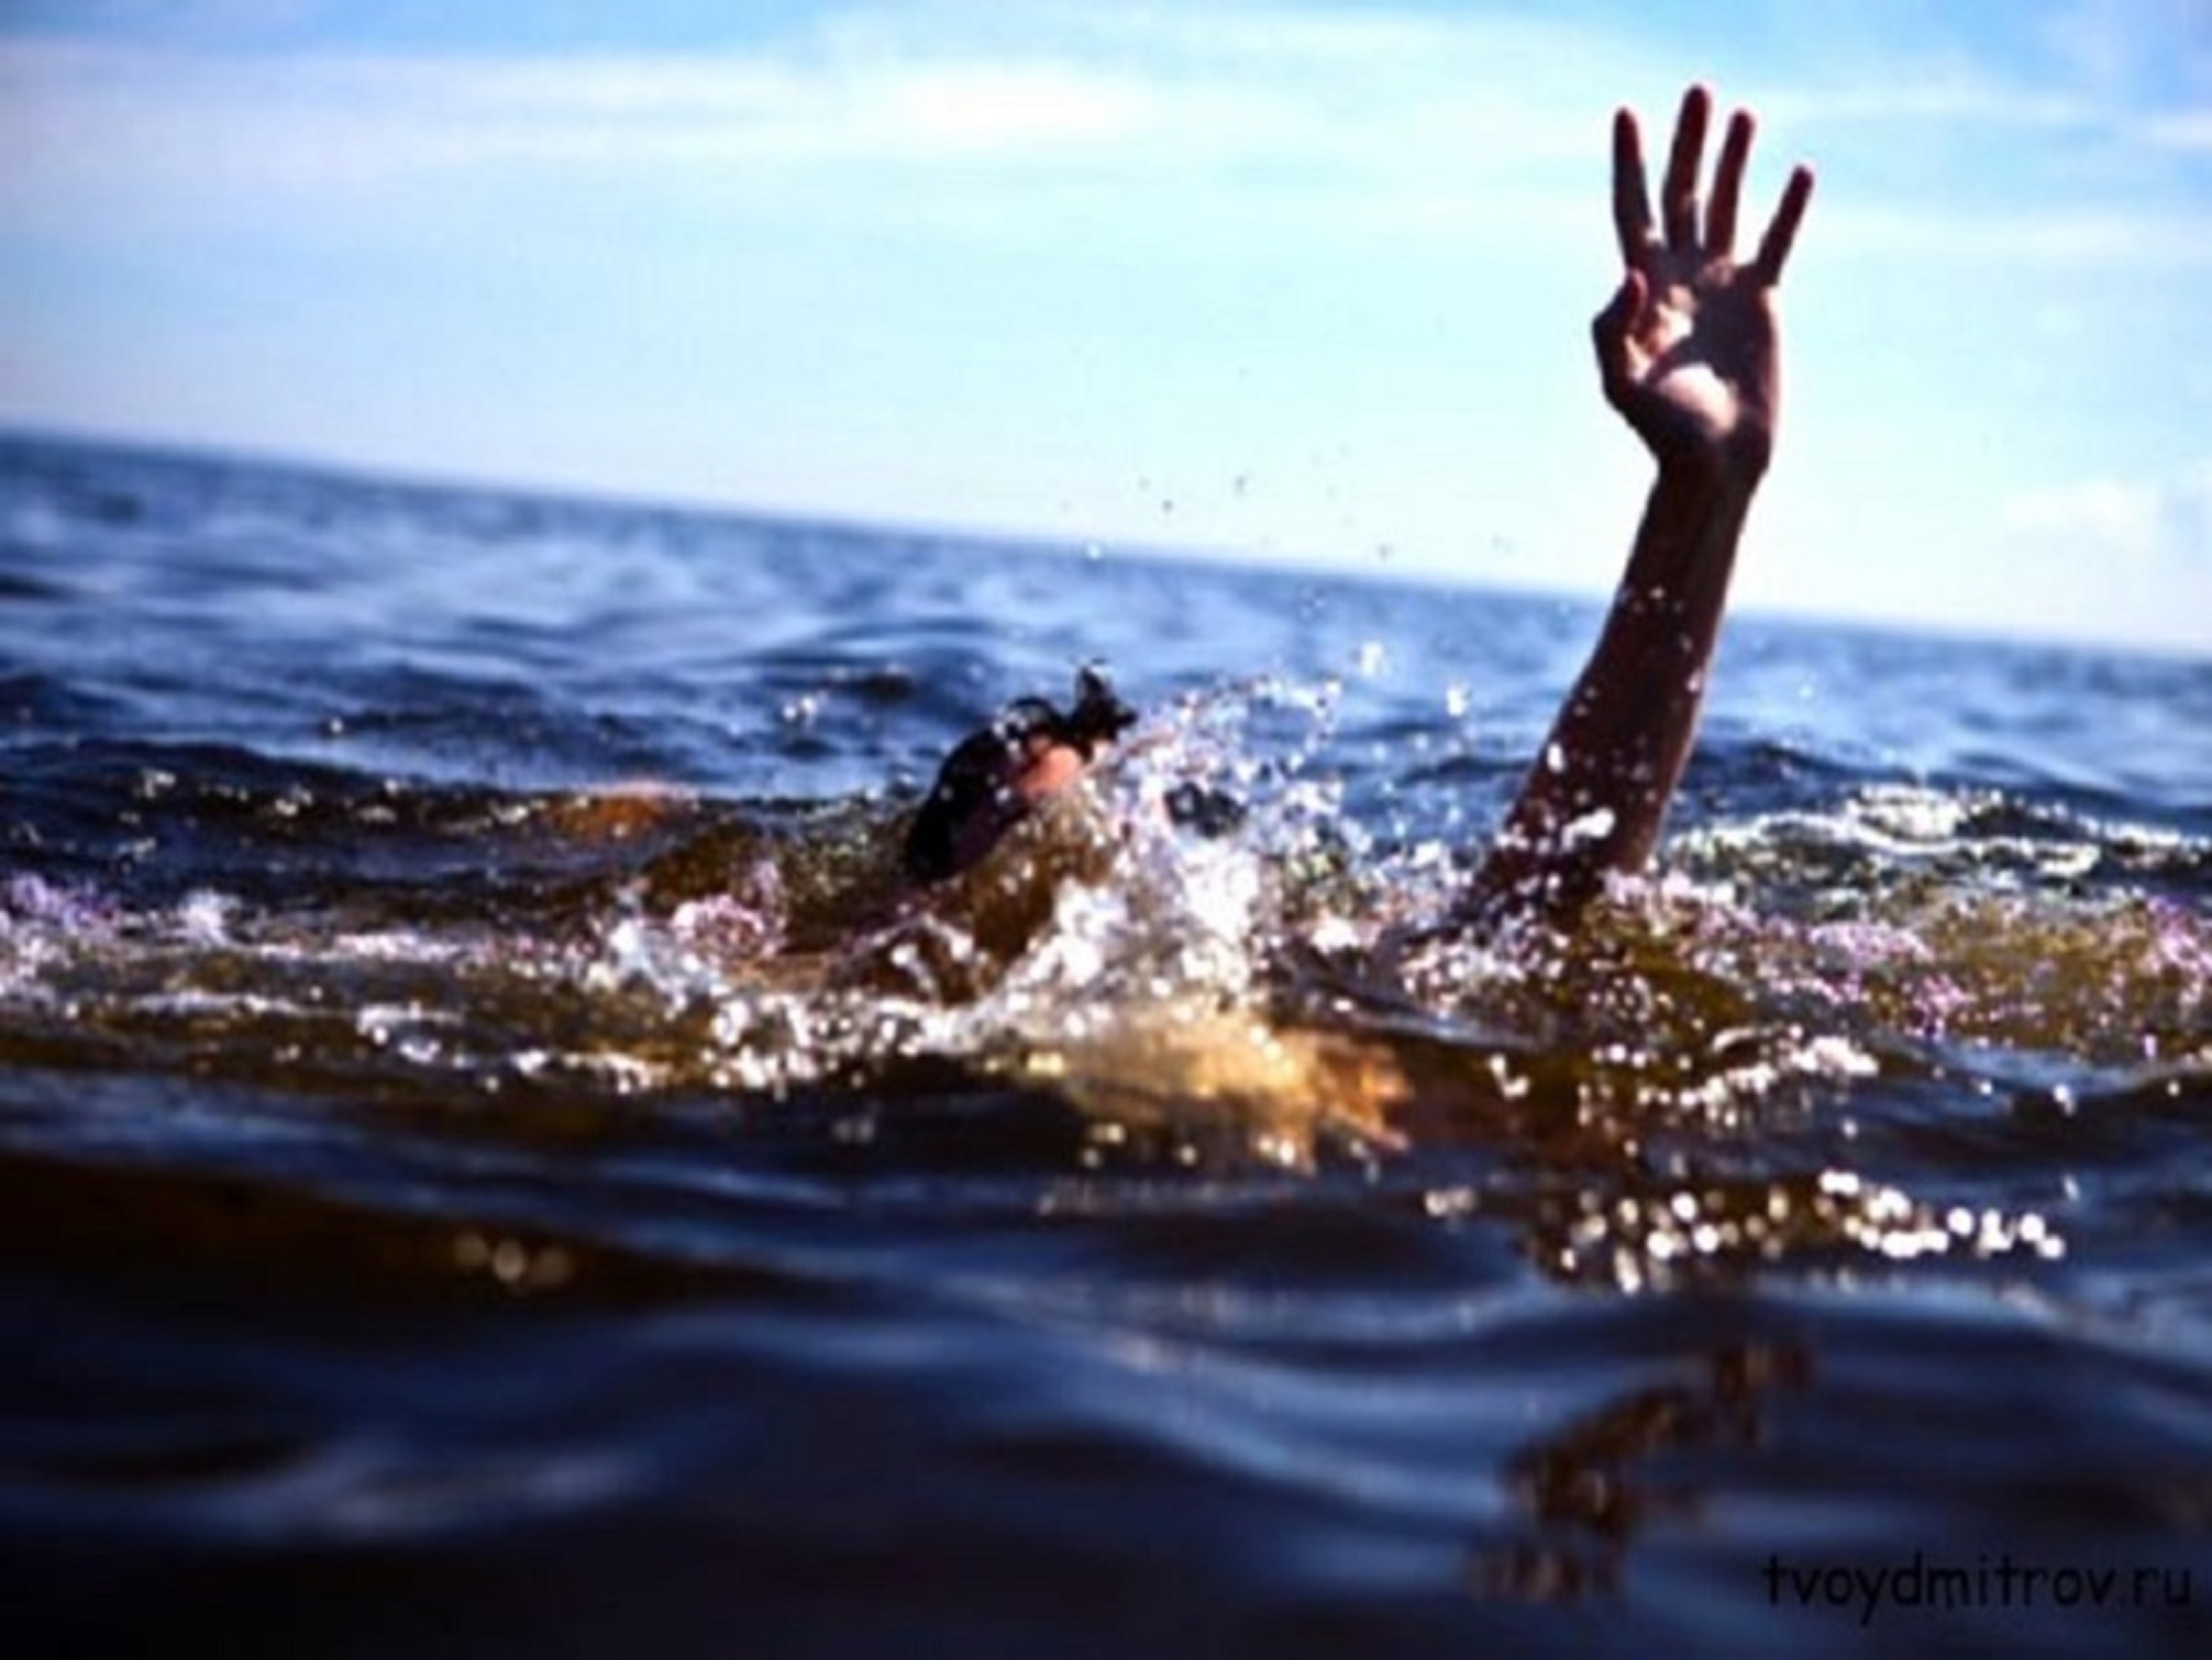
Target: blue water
column 489, row 1164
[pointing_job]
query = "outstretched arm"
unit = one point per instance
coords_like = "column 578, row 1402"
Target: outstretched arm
column 1687, row 352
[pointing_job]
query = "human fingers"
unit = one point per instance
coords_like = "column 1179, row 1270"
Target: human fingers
column 1631, row 200
column 1728, row 184
column 1610, row 328
column 1678, row 195
column 1774, row 247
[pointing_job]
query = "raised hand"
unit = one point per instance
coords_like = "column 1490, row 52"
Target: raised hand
column 1687, row 350
column 1689, row 355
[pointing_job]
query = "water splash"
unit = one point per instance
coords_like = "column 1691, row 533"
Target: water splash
column 1236, row 989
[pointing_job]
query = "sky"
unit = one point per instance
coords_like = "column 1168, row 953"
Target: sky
column 1300, row 281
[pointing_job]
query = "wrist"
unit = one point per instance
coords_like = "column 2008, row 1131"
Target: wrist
column 1726, row 469
column 1686, row 546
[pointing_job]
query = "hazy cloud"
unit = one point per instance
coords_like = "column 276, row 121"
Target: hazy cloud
column 2161, row 521
column 1406, row 116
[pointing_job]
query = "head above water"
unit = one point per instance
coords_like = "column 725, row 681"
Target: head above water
column 997, row 775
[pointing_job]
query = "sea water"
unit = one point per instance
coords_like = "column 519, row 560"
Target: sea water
column 490, row 1159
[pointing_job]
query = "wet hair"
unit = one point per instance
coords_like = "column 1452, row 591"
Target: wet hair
column 975, row 777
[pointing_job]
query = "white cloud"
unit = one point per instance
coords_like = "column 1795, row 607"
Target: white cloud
column 1339, row 95
column 2189, row 130
column 1407, row 121
column 2107, row 557
column 2113, row 45
column 1954, row 96
column 2134, row 237
column 2142, row 522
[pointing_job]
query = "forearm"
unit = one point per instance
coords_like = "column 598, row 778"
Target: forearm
column 1597, row 794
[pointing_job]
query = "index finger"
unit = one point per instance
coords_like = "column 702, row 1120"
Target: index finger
column 1632, row 218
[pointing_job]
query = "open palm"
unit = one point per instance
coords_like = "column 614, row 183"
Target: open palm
column 1687, row 348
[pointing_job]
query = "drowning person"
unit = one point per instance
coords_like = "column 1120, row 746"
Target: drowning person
column 1688, row 355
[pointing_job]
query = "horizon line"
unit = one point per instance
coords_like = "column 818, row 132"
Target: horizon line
column 1219, row 559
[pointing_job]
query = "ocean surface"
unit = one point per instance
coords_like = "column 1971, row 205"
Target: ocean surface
column 490, row 1162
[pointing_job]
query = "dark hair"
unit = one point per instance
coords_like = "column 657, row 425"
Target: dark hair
column 1098, row 716
column 973, row 779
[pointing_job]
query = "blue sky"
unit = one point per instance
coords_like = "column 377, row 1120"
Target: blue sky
column 1303, row 281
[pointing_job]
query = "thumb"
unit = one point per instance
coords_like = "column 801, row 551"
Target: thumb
column 1609, row 330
